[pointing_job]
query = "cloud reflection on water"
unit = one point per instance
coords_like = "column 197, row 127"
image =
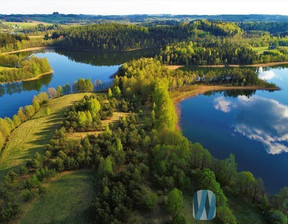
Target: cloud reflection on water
column 260, row 119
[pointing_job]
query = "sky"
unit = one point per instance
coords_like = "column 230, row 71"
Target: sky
column 126, row 7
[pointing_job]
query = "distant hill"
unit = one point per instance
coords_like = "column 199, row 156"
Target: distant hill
column 73, row 18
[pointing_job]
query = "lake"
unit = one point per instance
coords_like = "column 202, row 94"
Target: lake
column 68, row 66
column 253, row 125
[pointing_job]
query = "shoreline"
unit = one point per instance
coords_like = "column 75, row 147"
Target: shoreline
column 28, row 49
column 195, row 90
column 268, row 64
column 29, row 79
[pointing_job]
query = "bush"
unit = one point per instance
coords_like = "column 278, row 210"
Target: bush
column 225, row 215
column 28, row 195
column 151, row 200
column 277, row 217
column 23, row 170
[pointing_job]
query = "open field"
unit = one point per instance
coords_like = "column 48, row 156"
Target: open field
column 25, row 24
column 67, row 200
column 33, row 135
column 4, row 68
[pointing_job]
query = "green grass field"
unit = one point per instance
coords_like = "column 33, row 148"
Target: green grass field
column 34, row 135
column 66, row 200
column 260, row 50
column 4, row 68
column 25, row 24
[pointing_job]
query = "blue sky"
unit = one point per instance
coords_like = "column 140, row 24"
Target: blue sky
column 124, row 7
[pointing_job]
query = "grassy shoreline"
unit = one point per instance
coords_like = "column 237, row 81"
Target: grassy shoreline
column 195, row 90
column 268, row 64
column 29, row 49
column 33, row 135
column 29, row 79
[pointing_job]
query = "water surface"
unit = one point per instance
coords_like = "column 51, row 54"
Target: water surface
column 253, row 125
column 68, row 66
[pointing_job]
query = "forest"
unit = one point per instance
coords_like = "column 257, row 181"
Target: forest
column 126, row 133
column 143, row 147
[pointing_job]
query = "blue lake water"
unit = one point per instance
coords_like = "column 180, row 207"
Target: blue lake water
column 253, row 125
column 68, row 66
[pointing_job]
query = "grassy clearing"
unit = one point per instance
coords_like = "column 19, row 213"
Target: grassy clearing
column 5, row 68
column 116, row 117
column 66, row 200
column 244, row 212
column 260, row 50
column 34, row 135
column 25, row 24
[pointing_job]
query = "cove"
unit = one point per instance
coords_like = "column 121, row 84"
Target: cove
column 68, row 66
column 253, row 125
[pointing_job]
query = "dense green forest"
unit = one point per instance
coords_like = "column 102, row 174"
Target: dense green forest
column 121, row 37
column 143, row 147
column 189, row 53
column 141, row 161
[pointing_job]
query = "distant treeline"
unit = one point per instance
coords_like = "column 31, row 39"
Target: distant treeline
column 192, row 53
column 113, row 36
column 121, row 37
column 275, row 28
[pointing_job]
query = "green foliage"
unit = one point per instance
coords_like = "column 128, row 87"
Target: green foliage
column 116, row 92
column 59, row 91
column 180, row 219
column 105, row 166
column 110, row 95
column 166, row 116
column 84, row 86
column 23, row 170
column 174, row 202
column 94, row 106
column 277, row 217
column 192, row 53
column 47, row 111
column 151, row 200
column 29, row 111
column 2, row 140
column 28, row 68
column 113, row 36
column 207, row 180
column 280, row 199
column 224, row 214
column 28, row 195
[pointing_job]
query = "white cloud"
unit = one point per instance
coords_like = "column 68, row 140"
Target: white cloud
column 220, row 103
column 263, row 120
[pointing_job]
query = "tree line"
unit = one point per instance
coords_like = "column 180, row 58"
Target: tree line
column 23, row 69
